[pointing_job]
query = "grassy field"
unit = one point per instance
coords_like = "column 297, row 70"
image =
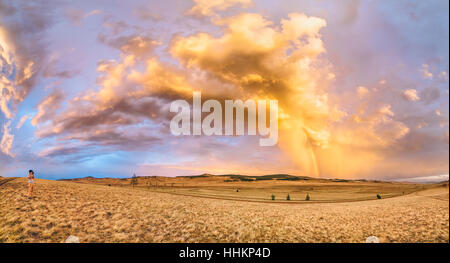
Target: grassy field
column 233, row 187
column 96, row 212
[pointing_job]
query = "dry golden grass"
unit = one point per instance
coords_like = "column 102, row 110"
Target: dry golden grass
column 319, row 190
column 98, row 213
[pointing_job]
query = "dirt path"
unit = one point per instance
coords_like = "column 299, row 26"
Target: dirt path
column 4, row 181
column 275, row 201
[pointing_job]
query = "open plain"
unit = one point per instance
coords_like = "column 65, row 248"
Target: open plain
column 220, row 209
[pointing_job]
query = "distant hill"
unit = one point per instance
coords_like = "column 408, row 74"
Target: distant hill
column 195, row 176
column 216, row 178
column 240, row 177
column 80, row 178
column 224, row 177
column 267, row 177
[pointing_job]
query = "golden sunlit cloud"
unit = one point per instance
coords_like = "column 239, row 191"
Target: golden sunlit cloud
column 7, row 140
column 209, row 7
column 411, row 95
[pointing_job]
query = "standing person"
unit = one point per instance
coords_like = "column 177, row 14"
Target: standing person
column 30, row 183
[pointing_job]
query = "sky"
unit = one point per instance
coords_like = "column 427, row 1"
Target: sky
column 362, row 86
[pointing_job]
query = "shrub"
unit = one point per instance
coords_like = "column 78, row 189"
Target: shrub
column 134, row 180
column 273, row 197
column 307, row 197
column 288, row 197
column 247, row 179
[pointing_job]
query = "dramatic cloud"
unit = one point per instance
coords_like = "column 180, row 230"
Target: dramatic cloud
column 262, row 61
column 411, row 95
column 21, row 50
column 7, row 140
column 129, row 109
column 48, row 107
column 362, row 86
column 209, row 7
column 22, row 120
column 16, row 75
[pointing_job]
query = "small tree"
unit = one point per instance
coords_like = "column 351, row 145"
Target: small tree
column 273, row 197
column 288, row 197
column 134, row 180
column 307, row 197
